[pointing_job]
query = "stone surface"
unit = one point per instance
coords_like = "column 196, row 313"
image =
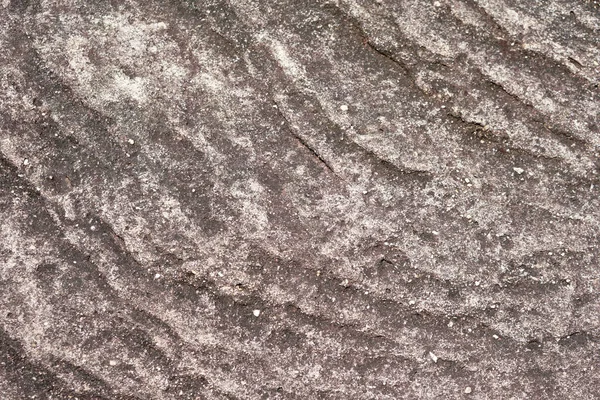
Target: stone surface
column 260, row 199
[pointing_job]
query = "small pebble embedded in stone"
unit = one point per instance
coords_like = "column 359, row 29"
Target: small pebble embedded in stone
column 468, row 390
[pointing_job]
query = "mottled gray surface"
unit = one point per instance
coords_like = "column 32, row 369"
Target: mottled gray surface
column 299, row 199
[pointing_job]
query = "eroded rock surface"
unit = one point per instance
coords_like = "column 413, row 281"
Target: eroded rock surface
column 256, row 199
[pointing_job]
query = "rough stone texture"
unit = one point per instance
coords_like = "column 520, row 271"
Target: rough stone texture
column 284, row 199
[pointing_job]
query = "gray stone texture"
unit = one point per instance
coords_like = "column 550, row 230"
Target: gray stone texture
column 299, row 199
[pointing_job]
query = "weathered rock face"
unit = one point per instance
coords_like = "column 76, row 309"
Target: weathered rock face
column 346, row 199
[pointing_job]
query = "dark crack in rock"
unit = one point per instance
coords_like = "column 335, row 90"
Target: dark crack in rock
column 260, row 199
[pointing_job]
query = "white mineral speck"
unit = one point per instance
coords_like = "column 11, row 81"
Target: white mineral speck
column 468, row 390
column 25, row 162
column 256, row 313
column 113, row 362
column 433, row 357
column 131, row 141
column 518, row 170
column 344, row 107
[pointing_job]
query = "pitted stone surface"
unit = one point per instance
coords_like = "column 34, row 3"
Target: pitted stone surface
column 259, row 199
